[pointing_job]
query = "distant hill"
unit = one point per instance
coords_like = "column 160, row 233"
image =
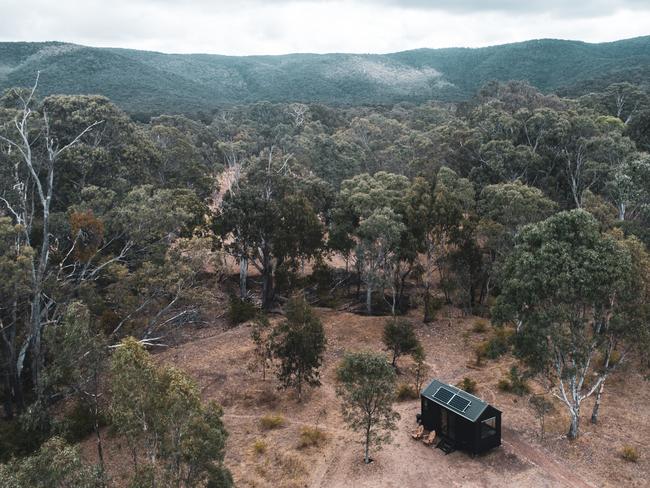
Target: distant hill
column 151, row 82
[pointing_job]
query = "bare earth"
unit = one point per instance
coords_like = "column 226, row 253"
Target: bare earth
column 218, row 359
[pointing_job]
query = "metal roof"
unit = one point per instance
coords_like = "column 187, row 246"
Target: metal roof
column 457, row 402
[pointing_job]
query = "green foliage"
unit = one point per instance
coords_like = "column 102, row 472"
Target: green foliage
column 262, row 336
column 498, row 344
column 56, row 464
column 366, row 386
column 160, row 408
column 299, row 343
column 240, row 311
column 563, row 276
column 542, row 407
column 468, row 385
column 399, row 338
column 79, row 423
column 147, row 82
column 515, row 382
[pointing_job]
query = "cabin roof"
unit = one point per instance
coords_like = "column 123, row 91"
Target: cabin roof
column 455, row 400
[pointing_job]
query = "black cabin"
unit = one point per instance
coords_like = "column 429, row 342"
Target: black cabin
column 462, row 420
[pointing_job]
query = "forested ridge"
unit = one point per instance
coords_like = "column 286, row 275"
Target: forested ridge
column 531, row 210
column 150, row 83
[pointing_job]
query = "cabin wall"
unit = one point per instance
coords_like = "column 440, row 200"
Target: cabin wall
column 489, row 420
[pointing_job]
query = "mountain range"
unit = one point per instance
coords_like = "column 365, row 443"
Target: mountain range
column 145, row 82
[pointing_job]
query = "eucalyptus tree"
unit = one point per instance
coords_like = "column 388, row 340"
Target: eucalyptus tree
column 571, row 287
column 33, row 150
column 270, row 219
column 299, row 343
column 366, row 386
column 369, row 215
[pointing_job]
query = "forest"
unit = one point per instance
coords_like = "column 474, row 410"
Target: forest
column 120, row 239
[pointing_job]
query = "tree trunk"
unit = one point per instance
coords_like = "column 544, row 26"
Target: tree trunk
column 575, row 423
column 366, row 458
column 267, row 281
column 243, row 276
column 595, row 411
column 427, row 306
column 369, row 300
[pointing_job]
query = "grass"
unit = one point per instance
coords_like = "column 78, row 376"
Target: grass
column 480, row 326
column 272, row 421
column 630, row 454
column 406, row 392
column 260, row 446
column 311, row 437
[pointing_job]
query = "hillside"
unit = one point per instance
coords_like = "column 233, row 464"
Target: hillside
column 151, row 82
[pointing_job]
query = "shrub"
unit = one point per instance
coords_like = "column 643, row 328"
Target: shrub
column 434, row 305
column 480, row 326
column 240, row 311
column 515, row 382
column 259, row 446
column 468, row 385
column 272, row 421
column 479, row 352
column 322, row 276
column 406, row 392
column 311, row 436
column 79, row 423
column 630, row 454
column 504, row 385
column 499, row 343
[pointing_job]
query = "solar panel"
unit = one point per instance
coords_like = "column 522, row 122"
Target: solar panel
column 459, row 403
column 443, row 395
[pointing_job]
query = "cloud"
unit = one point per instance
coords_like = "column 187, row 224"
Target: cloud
column 282, row 26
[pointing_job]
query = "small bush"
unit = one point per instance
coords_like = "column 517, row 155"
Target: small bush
column 406, row 392
column 480, row 326
column 259, row 446
column 479, row 353
column 504, row 385
column 79, row 423
column 499, row 343
column 468, row 385
column 311, row 436
column 322, row 276
column 272, row 421
column 240, row 311
column 434, row 305
column 515, row 382
column 630, row 454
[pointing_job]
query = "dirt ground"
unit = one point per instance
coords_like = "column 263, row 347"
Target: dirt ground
column 219, row 359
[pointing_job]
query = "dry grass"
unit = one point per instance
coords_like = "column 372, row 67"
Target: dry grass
column 480, row 326
column 259, row 446
column 272, row 421
column 630, row 454
column 311, row 437
column 406, row 392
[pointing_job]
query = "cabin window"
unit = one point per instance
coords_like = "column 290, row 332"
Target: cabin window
column 488, row 427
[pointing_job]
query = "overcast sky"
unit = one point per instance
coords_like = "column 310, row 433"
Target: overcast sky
column 284, row 26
